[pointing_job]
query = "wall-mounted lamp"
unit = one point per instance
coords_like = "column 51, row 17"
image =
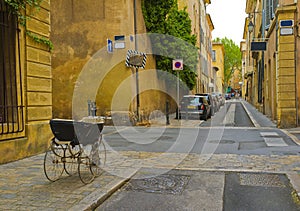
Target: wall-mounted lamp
column 250, row 26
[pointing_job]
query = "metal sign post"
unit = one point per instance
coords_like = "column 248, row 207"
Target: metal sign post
column 137, row 60
column 178, row 65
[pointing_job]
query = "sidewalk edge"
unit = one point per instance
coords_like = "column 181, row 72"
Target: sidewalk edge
column 250, row 115
column 295, row 181
column 96, row 198
column 292, row 136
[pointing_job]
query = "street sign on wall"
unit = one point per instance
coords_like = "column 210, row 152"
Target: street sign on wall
column 258, row 46
column 286, row 27
column 109, row 46
column 119, row 41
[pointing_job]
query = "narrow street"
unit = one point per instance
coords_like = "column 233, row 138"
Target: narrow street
column 227, row 145
column 234, row 134
column 187, row 165
column 96, row 96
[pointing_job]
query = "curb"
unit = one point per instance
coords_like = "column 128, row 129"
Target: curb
column 295, row 181
column 96, row 198
column 292, row 136
column 250, row 115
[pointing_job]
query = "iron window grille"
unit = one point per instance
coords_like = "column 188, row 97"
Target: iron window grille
column 11, row 93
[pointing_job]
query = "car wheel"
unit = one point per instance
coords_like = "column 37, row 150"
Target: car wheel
column 205, row 116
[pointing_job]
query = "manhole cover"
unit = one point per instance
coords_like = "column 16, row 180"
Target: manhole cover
column 264, row 180
column 164, row 184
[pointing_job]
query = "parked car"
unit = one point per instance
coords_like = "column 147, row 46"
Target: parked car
column 221, row 98
column 210, row 101
column 216, row 103
column 194, row 106
column 227, row 96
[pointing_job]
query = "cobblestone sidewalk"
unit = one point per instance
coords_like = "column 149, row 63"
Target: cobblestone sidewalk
column 24, row 186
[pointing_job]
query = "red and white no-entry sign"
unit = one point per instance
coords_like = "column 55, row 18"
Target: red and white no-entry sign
column 177, row 64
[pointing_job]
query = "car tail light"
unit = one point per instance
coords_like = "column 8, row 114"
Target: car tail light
column 202, row 107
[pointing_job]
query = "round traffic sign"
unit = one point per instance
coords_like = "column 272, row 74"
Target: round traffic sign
column 177, row 64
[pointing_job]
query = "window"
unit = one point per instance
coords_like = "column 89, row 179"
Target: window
column 11, row 106
column 271, row 6
column 214, row 55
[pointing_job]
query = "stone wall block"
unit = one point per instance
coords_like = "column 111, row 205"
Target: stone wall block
column 42, row 15
column 38, row 56
column 39, row 84
column 38, row 70
column 39, row 113
column 287, row 95
column 38, row 98
column 286, row 104
column 286, row 71
column 38, row 27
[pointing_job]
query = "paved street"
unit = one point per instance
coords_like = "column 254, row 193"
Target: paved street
column 252, row 150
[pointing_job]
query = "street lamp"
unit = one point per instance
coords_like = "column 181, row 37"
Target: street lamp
column 250, row 26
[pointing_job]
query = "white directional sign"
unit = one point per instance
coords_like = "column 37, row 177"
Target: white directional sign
column 109, row 46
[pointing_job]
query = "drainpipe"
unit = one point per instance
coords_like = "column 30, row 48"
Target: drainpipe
column 295, row 60
column 136, row 69
column 276, row 68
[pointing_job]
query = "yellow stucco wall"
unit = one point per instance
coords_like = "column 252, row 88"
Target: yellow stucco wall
column 286, row 75
column 79, row 32
column 219, row 63
column 280, row 100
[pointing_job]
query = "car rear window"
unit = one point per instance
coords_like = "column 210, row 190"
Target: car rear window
column 192, row 100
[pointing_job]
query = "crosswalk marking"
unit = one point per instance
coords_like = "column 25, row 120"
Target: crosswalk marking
column 272, row 139
column 264, row 134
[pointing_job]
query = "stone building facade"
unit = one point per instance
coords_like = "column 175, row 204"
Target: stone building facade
column 26, row 85
column 273, row 72
column 218, row 55
column 202, row 26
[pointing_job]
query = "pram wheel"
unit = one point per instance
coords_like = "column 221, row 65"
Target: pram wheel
column 98, row 157
column 53, row 165
column 84, row 169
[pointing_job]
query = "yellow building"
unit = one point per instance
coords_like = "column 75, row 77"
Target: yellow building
column 84, row 68
column 272, row 43
column 218, row 54
column 25, row 83
column 202, row 27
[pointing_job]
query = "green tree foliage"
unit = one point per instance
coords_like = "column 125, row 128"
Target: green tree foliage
column 163, row 17
column 18, row 8
column 232, row 60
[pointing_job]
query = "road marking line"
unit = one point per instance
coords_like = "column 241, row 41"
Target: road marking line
column 229, row 118
column 273, row 141
column 269, row 134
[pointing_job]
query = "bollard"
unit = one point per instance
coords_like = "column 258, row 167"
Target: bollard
column 89, row 108
column 167, row 113
column 93, row 108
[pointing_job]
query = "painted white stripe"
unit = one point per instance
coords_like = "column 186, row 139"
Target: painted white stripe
column 272, row 141
column 229, row 118
column 269, row 134
column 275, row 142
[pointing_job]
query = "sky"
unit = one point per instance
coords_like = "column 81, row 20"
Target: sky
column 228, row 17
